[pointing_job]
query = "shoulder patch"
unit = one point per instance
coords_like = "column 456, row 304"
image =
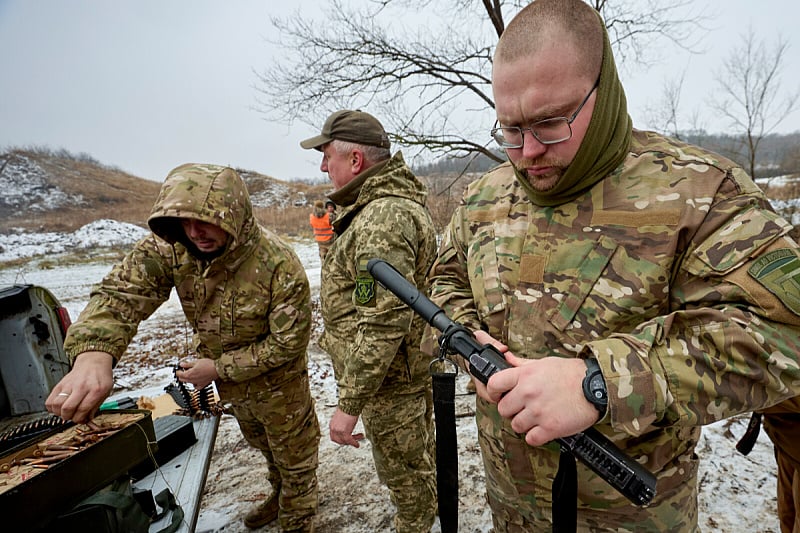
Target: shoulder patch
column 779, row 272
column 364, row 292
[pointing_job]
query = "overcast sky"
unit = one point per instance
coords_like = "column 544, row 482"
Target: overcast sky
column 146, row 85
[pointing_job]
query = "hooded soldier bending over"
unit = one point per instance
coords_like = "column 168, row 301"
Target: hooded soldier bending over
column 246, row 296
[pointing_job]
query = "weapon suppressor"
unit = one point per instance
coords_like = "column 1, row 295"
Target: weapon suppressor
column 591, row 447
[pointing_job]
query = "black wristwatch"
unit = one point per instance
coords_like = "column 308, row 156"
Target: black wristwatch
column 594, row 386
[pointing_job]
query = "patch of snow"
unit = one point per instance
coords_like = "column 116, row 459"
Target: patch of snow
column 98, row 234
column 24, row 185
column 266, row 192
column 107, row 233
column 789, row 209
column 778, row 181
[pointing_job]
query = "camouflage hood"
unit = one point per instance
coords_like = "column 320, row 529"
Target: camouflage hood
column 208, row 193
column 392, row 178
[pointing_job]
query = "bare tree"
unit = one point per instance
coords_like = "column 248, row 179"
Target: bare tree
column 750, row 83
column 664, row 114
column 431, row 87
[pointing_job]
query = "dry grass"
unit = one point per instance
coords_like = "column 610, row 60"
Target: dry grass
column 108, row 193
column 290, row 221
column 441, row 208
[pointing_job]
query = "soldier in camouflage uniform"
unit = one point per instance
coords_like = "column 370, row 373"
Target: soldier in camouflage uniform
column 661, row 262
column 372, row 338
column 247, row 299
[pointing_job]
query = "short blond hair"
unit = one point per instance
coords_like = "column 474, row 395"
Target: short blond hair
column 572, row 22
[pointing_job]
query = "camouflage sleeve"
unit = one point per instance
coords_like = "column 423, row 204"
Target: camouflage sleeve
column 450, row 286
column 383, row 229
column 128, row 294
column 289, row 327
column 732, row 343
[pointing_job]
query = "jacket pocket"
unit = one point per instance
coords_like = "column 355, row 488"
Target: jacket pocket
column 612, row 290
column 588, row 272
column 485, row 281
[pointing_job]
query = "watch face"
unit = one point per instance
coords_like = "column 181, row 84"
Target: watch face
column 598, row 389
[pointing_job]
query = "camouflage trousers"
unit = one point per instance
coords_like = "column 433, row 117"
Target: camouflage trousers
column 519, row 481
column 280, row 421
column 400, row 429
column 788, row 492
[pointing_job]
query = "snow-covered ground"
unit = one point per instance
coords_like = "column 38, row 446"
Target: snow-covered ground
column 737, row 494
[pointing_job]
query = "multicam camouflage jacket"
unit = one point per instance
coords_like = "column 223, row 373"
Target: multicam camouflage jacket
column 674, row 272
column 373, row 338
column 249, row 308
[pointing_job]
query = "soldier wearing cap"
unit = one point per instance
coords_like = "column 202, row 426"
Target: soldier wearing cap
column 372, row 338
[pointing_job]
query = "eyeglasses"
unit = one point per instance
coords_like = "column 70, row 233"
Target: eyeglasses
column 547, row 131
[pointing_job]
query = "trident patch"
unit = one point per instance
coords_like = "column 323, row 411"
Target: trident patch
column 364, row 292
column 779, row 272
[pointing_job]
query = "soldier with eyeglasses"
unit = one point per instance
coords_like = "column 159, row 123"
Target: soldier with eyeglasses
column 599, row 248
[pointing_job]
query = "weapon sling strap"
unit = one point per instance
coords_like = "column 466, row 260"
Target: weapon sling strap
column 444, row 391
column 565, row 494
column 565, row 484
column 748, row 440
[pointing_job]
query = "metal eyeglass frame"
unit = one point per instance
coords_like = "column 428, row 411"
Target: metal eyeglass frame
column 497, row 135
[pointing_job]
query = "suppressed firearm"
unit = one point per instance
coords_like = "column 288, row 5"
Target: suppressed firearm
column 591, row 447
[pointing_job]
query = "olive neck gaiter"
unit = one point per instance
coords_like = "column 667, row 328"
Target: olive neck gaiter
column 605, row 145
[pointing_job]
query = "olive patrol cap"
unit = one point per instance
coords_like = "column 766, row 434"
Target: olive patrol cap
column 351, row 126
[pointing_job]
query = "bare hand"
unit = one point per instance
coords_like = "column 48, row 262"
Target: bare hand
column 342, row 426
column 198, row 372
column 543, row 398
column 484, row 338
column 81, row 392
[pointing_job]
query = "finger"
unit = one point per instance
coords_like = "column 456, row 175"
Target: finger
column 538, row 436
column 523, row 421
column 335, row 436
column 66, row 410
column 501, row 382
column 511, row 405
column 81, row 407
column 485, row 338
column 352, row 440
column 55, row 400
column 71, row 409
column 343, row 439
column 480, row 390
column 516, row 361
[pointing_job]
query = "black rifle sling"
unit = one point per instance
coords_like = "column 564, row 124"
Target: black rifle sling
column 748, row 440
column 444, row 391
column 565, row 495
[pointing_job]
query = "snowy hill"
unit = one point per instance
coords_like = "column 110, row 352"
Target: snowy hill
column 46, row 191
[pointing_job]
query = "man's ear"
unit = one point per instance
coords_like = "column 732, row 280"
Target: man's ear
column 356, row 161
